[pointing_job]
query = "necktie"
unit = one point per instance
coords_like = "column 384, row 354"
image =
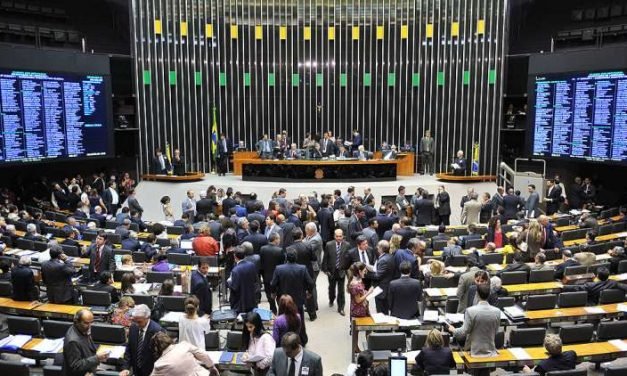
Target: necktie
column 97, row 264
column 292, row 370
column 337, row 255
column 140, row 348
column 362, row 256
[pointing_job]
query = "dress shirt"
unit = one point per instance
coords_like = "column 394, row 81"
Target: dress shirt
column 263, row 346
column 363, row 256
column 162, row 162
column 298, row 360
column 115, row 198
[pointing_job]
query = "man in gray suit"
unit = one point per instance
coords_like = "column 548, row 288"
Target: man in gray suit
column 465, row 281
column 426, row 151
column 471, row 210
column 481, row 322
column 333, row 266
column 531, row 205
column 314, row 241
column 293, row 360
column 133, row 204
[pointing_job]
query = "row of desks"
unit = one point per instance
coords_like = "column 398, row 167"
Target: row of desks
column 38, row 309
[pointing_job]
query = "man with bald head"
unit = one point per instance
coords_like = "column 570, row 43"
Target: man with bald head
column 79, row 350
column 332, row 265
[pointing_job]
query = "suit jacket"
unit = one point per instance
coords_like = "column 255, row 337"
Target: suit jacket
column 355, row 228
column 79, row 353
column 511, row 206
column 107, row 198
column 385, row 223
column 243, row 282
column 257, row 240
column 330, row 147
column 465, row 281
column 202, row 290
column 384, row 273
column 292, row 279
column 57, row 276
column 481, row 322
column 271, row 257
column 444, row 203
column 327, row 224
column 515, row 267
column 316, row 245
column 594, row 289
column 23, row 282
column 330, row 257
column 371, row 235
column 156, row 165
column 554, row 196
column 205, row 206
column 222, row 151
column 133, row 204
column 107, row 261
column 227, row 204
column 305, row 255
column 531, row 205
column 131, row 245
column 148, row 357
column 423, row 209
column 559, row 269
column 471, row 211
column 310, row 360
column 287, row 236
column 352, row 256
column 403, row 296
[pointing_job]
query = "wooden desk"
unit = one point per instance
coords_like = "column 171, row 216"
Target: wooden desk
column 14, row 307
column 513, row 290
column 570, row 314
column 239, row 156
column 599, row 239
column 367, row 324
column 57, row 310
column 189, row 176
column 464, row 178
column 587, row 352
column 28, row 350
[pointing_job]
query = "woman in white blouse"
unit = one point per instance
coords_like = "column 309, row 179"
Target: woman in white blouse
column 192, row 328
column 181, row 359
column 258, row 344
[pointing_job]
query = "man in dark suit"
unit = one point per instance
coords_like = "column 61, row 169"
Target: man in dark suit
column 553, row 197
column 305, row 256
column 23, row 281
column 568, row 260
column 205, row 205
column 294, row 280
column 286, row 233
column 385, row 218
column 518, row 265
column 160, row 163
column 225, row 149
column 100, row 257
column 228, row 202
column 105, row 284
column 383, row 275
column 459, row 166
column 327, row 146
column 272, row 255
column 131, row 243
column 355, row 226
column 511, row 205
column 242, row 283
column 332, row 265
column 124, row 229
column 139, row 356
column 57, row 276
column 404, row 294
column 255, row 238
column 594, row 288
column 178, row 163
column 364, row 254
column 79, row 351
column 292, row 359
column 111, row 198
column 201, row 288
column 424, row 209
column 575, row 194
column 325, row 219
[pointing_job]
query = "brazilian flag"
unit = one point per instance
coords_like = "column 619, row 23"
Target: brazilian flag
column 214, row 135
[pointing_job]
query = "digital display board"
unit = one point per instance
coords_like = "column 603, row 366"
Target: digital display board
column 47, row 116
column 580, row 115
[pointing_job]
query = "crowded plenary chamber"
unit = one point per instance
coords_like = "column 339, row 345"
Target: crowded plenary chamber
column 313, row 187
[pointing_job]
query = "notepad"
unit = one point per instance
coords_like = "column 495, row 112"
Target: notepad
column 380, row 318
column 50, row 346
column 455, row 318
column 520, row 353
column 265, row 314
column 594, row 310
column 142, row 288
column 619, row 344
column 411, row 354
column 431, row 315
column 16, row 342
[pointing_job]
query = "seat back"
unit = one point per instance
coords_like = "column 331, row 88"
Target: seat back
column 233, row 341
column 618, row 227
column 24, row 244
column 14, row 368
column 606, row 229
column 96, row 298
column 451, row 305
column 40, row 246
column 212, row 341
column 175, row 230
column 111, row 225
column 90, row 235
column 575, row 270
column 211, row 260
column 442, row 282
column 537, row 276
column 581, row 333
column 179, row 259
column 143, row 299
column 387, row 341
column 574, row 234
column 118, row 274
column 159, row 277
column 114, row 238
column 505, row 301
column 572, row 299
column 521, row 337
column 611, row 296
column 173, row 303
column 537, row 302
column 70, row 250
column 6, row 288
column 122, row 252
column 139, row 257
column 108, row 333
column 564, row 221
column 475, row 243
column 438, row 245
column 24, row 325
column 514, row 278
column 419, row 337
column 56, row 329
column 615, row 370
column 611, row 330
column 492, row 258
column 163, row 242
column 53, row 371
column 570, row 372
column 622, row 266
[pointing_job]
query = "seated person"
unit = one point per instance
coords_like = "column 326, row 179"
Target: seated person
column 361, row 153
column 567, row 260
column 5, row 267
column 434, row 358
column 292, row 152
column 315, row 152
column 617, row 255
column 150, row 247
column 390, row 154
column 539, row 264
column 131, row 243
column 459, row 166
column 162, row 264
column 594, row 288
column 342, row 153
column 32, row 234
column 121, row 314
column 558, row 360
column 518, row 265
column 23, row 281
column 363, row 365
column 451, row 249
column 105, row 283
column 385, row 146
column 127, row 264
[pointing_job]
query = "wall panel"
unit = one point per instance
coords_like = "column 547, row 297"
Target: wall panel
column 390, row 68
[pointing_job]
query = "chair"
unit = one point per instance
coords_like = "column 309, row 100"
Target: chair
column 505, row 301
column 387, row 341
column 175, row 230
column 476, row 243
column 139, row 257
column 611, row 330
column 163, row 242
column 572, row 299
column 570, row 372
column 442, row 282
column 179, row 259
column 40, row 246
column 117, row 274
column 53, row 371
column 419, row 337
column 514, row 278
column 615, row 370
column 595, row 267
column 537, row 276
column 24, row 325
column 6, row 289
column 233, row 341
column 108, row 333
column 458, row 260
column 451, row 305
column 439, row 245
column 537, row 302
column 575, row 270
column 622, row 266
column 143, row 299
column 492, row 258
column 122, row 252
column 499, row 339
column 24, row 244
column 212, row 341
column 56, row 329
column 111, row 225
column 70, row 250
column 564, row 221
column 114, row 238
column 173, row 303
column 211, row 260
column 14, row 368
column 96, row 298
column 606, row 229
column 618, row 227
column 581, row 333
column 574, row 234
column 159, row 277
column 90, row 235
column 598, row 248
column 521, row 337
column 611, row 296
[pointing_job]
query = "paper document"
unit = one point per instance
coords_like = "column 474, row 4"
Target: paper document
column 380, row 318
column 450, row 291
column 433, row 292
column 455, row 166
column 142, row 288
column 411, row 354
column 514, row 311
column 173, row 316
column 253, row 358
column 377, row 290
column 520, row 353
column 594, row 310
column 408, row 323
column 430, row 315
column 215, row 356
column 49, row 346
column 621, row 307
column 619, row 344
column 17, row 341
column 115, row 352
column 455, row 318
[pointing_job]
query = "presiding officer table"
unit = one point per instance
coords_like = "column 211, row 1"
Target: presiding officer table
column 252, row 168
